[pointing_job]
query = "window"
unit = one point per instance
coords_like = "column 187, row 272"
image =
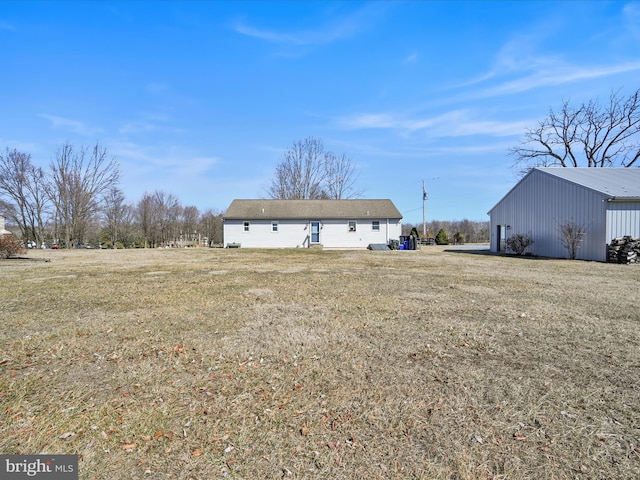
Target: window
column 352, row 225
column 274, row 227
column 246, row 226
column 375, row 226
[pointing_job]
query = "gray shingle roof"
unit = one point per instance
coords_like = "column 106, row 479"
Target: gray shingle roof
column 310, row 209
column 619, row 183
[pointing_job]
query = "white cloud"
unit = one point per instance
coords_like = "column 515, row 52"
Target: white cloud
column 334, row 30
column 557, row 76
column 456, row 123
column 411, row 58
column 519, row 67
column 166, row 158
column 7, row 26
column 157, row 88
column 74, row 126
column 631, row 13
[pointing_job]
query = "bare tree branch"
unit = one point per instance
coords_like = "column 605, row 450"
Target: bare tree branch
column 308, row 171
column 22, row 185
column 79, row 179
column 607, row 136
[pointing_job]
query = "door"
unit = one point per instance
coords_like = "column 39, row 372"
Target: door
column 315, row 232
column 501, row 234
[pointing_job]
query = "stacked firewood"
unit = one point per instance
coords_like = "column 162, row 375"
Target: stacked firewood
column 624, row 250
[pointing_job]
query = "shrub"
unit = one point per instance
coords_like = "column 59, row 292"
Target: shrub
column 441, row 238
column 10, row 246
column 458, row 238
column 518, row 243
column 572, row 234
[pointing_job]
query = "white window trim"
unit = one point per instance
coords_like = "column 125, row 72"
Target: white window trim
column 355, row 226
column 277, row 225
column 246, row 226
column 375, row 223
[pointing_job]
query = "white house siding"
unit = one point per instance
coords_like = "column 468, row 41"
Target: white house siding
column 289, row 235
column 623, row 218
column 540, row 204
column 296, row 233
column 336, row 234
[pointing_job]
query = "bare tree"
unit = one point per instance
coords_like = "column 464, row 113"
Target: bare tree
column 158, row 214
column 340, row 177
column 146, row 219
column 117, row 215
column 211, row 227
column 591, row 135
column 189, row 218
column 79, row 179
column 22, row 185
column 308, row 171
column 572, row 234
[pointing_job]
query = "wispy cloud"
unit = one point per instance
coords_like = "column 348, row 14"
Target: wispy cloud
column 631, row 15
column 411, row 58
column 168, row 158
column 456, row 123
column 157, row 88
column 330, row 31
column 149, row 122
column 516, row 57
column 7, row 26
column 168, row 168
column 519, row 67
column 558, row 76
column 74, row 126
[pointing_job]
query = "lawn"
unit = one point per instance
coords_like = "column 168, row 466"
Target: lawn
column 251, row 364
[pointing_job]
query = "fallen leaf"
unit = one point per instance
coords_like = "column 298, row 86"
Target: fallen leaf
column 196, row 452
column 129, row 447
column 304, row 431
column 66, row 435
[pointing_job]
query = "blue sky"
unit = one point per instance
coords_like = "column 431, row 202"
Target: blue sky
column 200, row 99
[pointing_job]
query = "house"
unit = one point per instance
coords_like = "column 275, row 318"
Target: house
column 309, row 223
column 604, row 202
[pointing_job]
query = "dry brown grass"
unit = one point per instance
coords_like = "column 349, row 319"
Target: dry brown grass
column 200, row 364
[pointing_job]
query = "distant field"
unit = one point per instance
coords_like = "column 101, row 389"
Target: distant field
column 255, row 364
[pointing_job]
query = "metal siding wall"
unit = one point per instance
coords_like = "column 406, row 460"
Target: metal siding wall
column 540, row 204
column 623, row 219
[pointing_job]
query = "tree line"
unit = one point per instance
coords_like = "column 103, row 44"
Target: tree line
column 77, row 202
column 457, row 231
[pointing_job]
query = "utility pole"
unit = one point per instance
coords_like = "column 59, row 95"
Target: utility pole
column 424, row 218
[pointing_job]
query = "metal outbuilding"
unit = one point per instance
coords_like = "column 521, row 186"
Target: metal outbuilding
column 605, row 202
